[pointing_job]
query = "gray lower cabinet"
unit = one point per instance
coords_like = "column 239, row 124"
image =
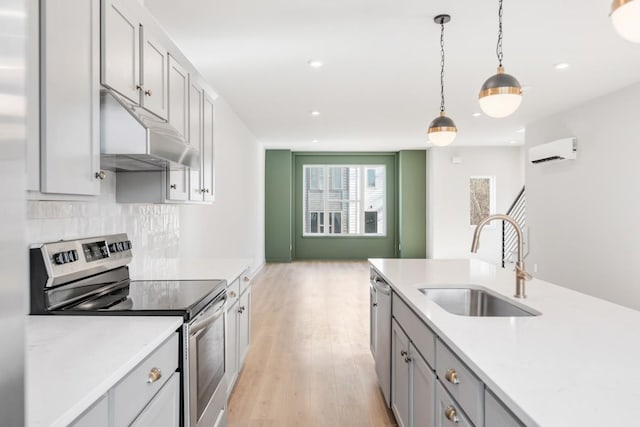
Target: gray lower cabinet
column 448, row 412
column 496, row 415
column 231, row 348
column 96, row 416
column 149, row 395
column 244, row 326
column 164, row 409
column 412, row 382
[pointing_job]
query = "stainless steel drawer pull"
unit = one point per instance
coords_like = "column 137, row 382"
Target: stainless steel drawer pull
column 148, row 92
column 403, row 353
column 407, row 359
column 154, row 375
column 452, row 376
column 232, row 294
column 173, row 186
column 375, row 304
column 451, row 415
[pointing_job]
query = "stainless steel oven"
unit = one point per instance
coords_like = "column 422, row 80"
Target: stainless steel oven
column 206, row 358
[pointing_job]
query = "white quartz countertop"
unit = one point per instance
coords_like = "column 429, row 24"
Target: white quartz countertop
column 205, row 269
column 71, row 361
column 574, row 365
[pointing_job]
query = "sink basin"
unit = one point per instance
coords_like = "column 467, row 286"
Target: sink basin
column 474, row 302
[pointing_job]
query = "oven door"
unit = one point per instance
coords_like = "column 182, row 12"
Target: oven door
column 207, row 387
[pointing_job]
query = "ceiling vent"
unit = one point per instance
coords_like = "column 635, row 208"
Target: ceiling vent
column 561, row 149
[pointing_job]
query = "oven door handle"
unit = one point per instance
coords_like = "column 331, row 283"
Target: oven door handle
column 200, row 325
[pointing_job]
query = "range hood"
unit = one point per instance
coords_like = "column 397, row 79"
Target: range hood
column 133, row 139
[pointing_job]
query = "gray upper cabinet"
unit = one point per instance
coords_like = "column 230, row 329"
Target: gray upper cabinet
column 120, row 49
column 208, row 151
column 154, row 95
column 69, row 97
column 134, row 63
column 196, row 104
column 178, row 97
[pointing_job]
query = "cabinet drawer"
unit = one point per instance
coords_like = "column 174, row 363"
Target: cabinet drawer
column 448, row 412
column 244, row 280
column 233, row 292
column 133, row 393
column 423, row 338
column 463, row 385
column 164, row 408
column 496, row 415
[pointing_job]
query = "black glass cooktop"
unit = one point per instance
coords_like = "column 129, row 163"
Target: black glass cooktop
column 152, row 297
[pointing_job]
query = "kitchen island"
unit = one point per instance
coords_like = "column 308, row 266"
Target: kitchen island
column 572, row 365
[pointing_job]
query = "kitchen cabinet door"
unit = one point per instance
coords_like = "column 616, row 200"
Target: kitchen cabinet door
column 207, row 153
column 196, row 104
column 154, row 96
column 422, row 391
column 120, row 48
column 70, row 98
column 244, row 326
column 400, row 375
column 164, row 408
column 231, row 348
column 178, row 184
column 178, row 97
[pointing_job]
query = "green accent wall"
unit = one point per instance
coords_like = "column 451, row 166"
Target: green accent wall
column 412, row 203
column 278, row 208
column 345, row 247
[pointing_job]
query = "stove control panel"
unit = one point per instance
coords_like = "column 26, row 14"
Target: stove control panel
column 67, row 260
column 65, row 257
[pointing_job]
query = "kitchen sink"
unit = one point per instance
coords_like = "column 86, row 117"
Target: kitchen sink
column 467, row 301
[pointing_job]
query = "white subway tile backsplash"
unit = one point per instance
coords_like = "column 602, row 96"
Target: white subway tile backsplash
column 153, row 229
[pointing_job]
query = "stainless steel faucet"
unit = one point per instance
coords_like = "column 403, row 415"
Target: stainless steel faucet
column 521, row 274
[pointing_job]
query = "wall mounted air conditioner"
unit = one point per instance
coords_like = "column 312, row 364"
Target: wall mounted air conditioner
column 561, row 149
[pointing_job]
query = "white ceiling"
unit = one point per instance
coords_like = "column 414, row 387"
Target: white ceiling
column 379, row 88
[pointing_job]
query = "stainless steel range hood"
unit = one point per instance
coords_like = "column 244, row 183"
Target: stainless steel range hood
column 132, row 139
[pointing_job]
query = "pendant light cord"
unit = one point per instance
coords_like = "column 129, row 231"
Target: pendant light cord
column 499, row 46
column 442, row 66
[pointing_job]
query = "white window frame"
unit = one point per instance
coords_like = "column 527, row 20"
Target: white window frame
column 360, row 202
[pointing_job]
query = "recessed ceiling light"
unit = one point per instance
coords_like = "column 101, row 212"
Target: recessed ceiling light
column 315, row 141
column 315, row 63
column 315, row 113
column 476, row 114
column 561, row 66
column 521, row 130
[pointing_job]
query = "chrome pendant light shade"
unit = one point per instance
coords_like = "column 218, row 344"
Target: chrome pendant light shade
column 501, row 94
column 625, row 16
column 442, row 130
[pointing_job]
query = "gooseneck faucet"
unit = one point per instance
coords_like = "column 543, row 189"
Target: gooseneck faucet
column 521, row 274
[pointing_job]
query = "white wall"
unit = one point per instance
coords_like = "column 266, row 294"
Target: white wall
column 449, row 234
column 234, row 225
column 584, row 215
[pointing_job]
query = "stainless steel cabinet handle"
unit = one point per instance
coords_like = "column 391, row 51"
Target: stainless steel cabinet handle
column 375, row 304
column 451, row 415
column 407, row 359
column 232, row 294
column 206, row 190
column 154, row 375
column 173, row 186
column 139, row 87
column 101, row 175
column 148, row 92
column 403, row 353
column 246, row 278
column 452, row 376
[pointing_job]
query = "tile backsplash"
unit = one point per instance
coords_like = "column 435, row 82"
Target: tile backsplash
column 154, row 230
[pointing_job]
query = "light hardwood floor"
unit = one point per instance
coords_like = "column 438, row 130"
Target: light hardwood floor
column 309, row 362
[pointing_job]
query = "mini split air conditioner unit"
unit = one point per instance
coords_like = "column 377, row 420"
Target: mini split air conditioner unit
column 561, row 149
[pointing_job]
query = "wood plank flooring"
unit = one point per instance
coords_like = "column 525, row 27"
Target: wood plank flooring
column 309, row 362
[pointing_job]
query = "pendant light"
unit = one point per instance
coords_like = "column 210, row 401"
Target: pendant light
column 442, row 130
column 501, row 95
column 625, row 16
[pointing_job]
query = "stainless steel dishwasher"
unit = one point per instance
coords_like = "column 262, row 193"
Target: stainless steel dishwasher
column 380, row 333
